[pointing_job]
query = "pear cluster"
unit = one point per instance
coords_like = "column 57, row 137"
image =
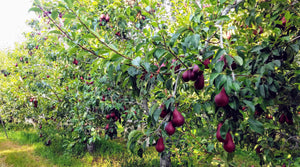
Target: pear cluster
column 176, row 121
column 228, row 143
column 196, row 75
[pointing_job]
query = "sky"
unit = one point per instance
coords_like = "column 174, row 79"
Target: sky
column 13, row 16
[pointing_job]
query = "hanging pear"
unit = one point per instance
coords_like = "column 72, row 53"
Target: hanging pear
column 170, row 129
column 199, row 84
column 178, row 119
column 228, row 145
column 160, row 147
column 221, row 99
column 218, row 135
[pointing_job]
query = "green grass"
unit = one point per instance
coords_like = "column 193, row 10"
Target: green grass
column 32, row 152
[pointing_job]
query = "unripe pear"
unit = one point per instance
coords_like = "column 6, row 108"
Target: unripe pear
column 218, row 135
column 228, row 145
column 178, row 119
column 221, row 99
column 170, row 129
column 160, row 147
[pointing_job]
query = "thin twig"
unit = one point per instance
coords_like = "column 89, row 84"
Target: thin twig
column 176, row 83
column 103, row 43
column 53, row 21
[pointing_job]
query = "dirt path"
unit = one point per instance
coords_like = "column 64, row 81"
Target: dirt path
column 14, row 155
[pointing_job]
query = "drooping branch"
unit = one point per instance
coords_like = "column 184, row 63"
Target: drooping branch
column 61, row 30
column 102, row 42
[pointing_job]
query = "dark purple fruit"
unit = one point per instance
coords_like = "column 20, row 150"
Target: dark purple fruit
column 221, row 99
column 160, row 147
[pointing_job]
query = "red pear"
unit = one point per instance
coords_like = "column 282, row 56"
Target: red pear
column 192, row 76
column 199, row 84
column 206, row 62
column 178, row 119
column 196, row 69
column 289, row 120
column 107, row 18
column 282, row 119
column 160, row 147
column 255, row 32
column 228, row 145
column 170, row 128
column 185, row 76
column 283, row 20
column 221, row 99
column 102, row 16
column 107, row 127
column 259, row 149
column 260, row 30
column 218, row 135
column 75, row 62
column 107, row 116
column 112, row 114
column 164, row 112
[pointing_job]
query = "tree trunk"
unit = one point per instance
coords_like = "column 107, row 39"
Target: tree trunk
column 3, row 127
column 165, row 160
column 91, row 147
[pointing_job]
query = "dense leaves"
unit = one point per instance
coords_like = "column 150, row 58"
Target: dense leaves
column 86, row 60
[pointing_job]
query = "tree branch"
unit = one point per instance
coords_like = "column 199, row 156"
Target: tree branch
column 103, row 43
column 84, row 48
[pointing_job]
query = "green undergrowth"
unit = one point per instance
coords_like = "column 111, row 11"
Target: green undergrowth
column 107, row 153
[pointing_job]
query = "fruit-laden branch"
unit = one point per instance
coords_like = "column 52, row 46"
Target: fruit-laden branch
column 60, row 29
column 103, row 43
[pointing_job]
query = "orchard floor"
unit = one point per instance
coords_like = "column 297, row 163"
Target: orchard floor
column 22, row 150
column 12, row 154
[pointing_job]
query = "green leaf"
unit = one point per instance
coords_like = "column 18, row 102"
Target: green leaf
column 256, row 126
column 197, row 108
column 70, row 16
column 54, row 32
column 176, row 35
column 250, row 105
column 54, row 14
column 212, row 77
column 238, row 60
column 169, row 84
column 136, row 61
column 35, row 9
column 257, row 49
column 219, row 66
column 159, row 52
column 69, row 3
column 224, row 18
column 133, row 71
column 156, row 114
